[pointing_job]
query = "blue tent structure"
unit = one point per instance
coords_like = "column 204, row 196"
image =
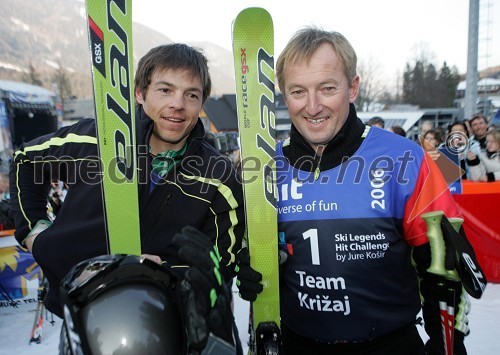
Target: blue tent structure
column 26, row 112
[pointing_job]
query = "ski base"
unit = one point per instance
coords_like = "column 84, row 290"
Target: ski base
column 110, row 39
column 253, row 51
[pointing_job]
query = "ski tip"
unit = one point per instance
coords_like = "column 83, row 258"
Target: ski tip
column 257, row 12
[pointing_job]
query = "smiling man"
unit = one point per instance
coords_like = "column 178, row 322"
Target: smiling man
column 183, row 180
column 348, row 285
column 479, row 125
column 172, row 99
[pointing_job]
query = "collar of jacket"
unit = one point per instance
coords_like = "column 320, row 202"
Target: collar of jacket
column 492, row 155
column 343, row 145
column 145, row 128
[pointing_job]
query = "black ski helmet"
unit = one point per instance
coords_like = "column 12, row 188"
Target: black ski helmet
column 121, row 304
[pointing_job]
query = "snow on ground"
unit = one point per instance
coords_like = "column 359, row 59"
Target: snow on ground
column 15, row 327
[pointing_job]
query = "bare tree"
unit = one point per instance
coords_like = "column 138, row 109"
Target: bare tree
column 63, row 84
column 32, row 76
column 371, row 87
column 422, row 53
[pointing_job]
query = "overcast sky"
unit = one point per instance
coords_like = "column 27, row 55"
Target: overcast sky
column 391, row 32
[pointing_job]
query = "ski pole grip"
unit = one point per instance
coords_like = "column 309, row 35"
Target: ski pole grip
column 438, row 248
column 456, row 223
column 451, row 273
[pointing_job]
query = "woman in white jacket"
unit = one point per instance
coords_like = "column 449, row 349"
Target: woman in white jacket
column 486, row 165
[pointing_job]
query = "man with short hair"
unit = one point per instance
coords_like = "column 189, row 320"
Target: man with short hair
column 479, row 125
column 355, row 276
column 376, row 122
column 183, row 180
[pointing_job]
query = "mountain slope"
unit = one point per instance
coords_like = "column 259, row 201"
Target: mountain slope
column 49, row 33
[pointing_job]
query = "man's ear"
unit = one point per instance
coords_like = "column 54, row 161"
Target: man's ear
column 138, row 96
column 353, row 89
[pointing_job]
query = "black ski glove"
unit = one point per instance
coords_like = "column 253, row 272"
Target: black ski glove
column 206, row 297
column 247, row 279
column 435, row 345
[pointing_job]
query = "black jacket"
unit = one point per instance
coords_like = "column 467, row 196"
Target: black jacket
column 202, row 191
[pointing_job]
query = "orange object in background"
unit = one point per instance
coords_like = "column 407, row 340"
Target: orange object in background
column 472, row 187
column 7, row 232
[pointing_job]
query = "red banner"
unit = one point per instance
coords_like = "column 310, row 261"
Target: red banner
column 480, row 205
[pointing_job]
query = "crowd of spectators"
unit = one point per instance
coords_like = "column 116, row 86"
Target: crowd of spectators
column 476, row 142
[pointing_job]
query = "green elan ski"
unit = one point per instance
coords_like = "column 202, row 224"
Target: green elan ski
column 110, row 37
column 253, row 50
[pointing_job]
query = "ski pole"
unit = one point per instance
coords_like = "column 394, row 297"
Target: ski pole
column 36, row 332
column 6, row 296
column 442, row 264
